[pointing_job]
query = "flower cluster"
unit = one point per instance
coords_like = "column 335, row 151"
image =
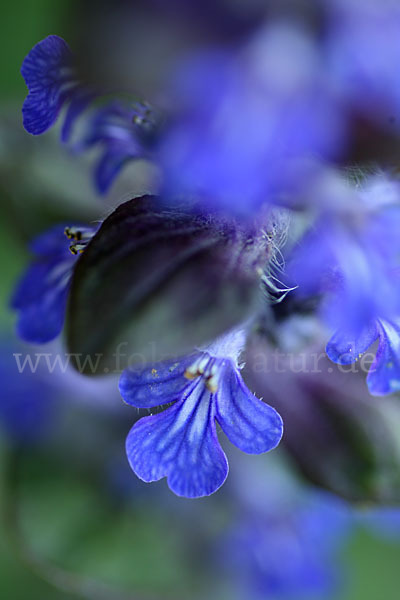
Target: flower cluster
column 258, row 204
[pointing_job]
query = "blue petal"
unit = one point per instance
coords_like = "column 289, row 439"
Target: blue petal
column 113, row 124
column 109, row 166
column 180, row 444
column 41, row 294
column 112, row 127
column 43, row 320
column 382, row 520
column 384, row 374
column 26, row 404
column 39, row 279
column 345, row 347
column 250, row 424
column 49, row 268
column 80, row 100
column 153, row 385
column 48, row 73
column 51, row 243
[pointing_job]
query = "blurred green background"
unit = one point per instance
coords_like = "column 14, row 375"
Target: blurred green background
column 69, row 518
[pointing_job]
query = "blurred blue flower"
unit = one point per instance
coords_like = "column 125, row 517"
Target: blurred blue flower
column 363, row 44
column 248, row 124
column 26, row 405
column 40, row 297
column 381, row 520
column 288, row 554
column 123, row 130
column 181, row 442
column 346, row 347
column 285, row 539
column 351, row 259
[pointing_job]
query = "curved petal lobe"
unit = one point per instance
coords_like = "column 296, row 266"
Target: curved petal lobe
column 109, row 166
column 345, row 347
column 249, row 423
column 43, row 320
column 48, row 73
column 384, row 374
column 40, row 296
column 51, row 243
column 180, row 444
column 155, row 384
column 80, row 100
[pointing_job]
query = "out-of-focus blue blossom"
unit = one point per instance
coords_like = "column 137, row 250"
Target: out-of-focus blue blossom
column 345, row 347
column 286, row 540
column 383, row 521
column 181, row 442
column 249, row 122
column 123, row 130
column 223, row 18
column 26, row 405
column 363, row 56
column 353, row 267
column 352, row 260
column 40, row 297
column 40, row 389
column 286, row 555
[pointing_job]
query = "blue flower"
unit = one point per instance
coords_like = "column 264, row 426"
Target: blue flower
column 381, row 520
column 346, row 347
column 27, row 407
column 181, row 442
column 351, row 259
column 40, row 297
column 289, row 551
column 248, row 123
column 123, row 129
column 363, row 56
column 285, row 536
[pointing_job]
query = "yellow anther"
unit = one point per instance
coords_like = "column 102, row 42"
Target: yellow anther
column 77, row 248
column 212, row 384
column 73, row 234
column 207, row 370
column 189, row 374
